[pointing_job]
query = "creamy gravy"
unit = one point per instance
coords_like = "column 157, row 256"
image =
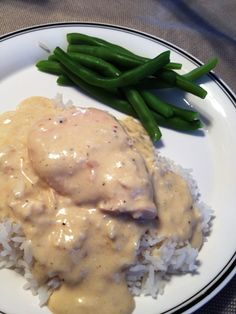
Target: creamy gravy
column 84, row 150
column 75, row 181
column 177, row 218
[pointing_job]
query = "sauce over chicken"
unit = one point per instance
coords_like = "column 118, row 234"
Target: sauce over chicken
column 85, row 190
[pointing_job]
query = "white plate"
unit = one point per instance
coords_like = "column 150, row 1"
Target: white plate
column 211, row 154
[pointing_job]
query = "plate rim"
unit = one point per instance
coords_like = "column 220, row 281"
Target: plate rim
column 227, row 273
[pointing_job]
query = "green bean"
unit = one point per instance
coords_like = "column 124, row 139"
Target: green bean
column 63, row 80
column 69, row 79
column 52, row 67
column 162, row 107
column 157, row 105
column 188, row 115
column 169, row 66
column 167, row 76
column 176, row 123
column 109, row 70
column 107, row 55
column 55, row 67
column 95, row 63
column 77, row 38
column 124, row 106
column 143, row 113
column 181, row 82
column 99, row 94
column 106, row 67
column 110, row 99
column 173, row 66
column 153, row 83
column 190, row 87
column 52, row 58
column 119, row 58
column 202, row 70
column 126, row 58
column 98, row 64
column 127, row 78
column 168, row 79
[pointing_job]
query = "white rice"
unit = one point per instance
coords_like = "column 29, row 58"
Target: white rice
column 157, row 262
column 16, row 254
column 158, row 257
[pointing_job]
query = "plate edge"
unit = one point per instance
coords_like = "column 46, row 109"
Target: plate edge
column 224, row 87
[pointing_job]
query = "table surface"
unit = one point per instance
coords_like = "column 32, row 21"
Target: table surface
column 203, row 28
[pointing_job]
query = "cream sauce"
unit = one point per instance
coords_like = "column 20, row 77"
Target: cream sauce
column 177, row 218
column 64, row 181
column 75, row 159
column 100, row 261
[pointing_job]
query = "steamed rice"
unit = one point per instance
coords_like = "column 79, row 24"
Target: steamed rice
column 157, row 257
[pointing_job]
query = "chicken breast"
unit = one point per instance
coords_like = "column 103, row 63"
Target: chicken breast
column 86, row 154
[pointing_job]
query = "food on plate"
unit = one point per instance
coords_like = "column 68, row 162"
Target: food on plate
column 125, row 81
column 90, row 214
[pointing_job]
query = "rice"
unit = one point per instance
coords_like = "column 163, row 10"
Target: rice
column 16, row 254
column 59, row 102
column 157, row 257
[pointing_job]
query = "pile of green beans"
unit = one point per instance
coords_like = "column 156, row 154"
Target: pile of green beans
column 127, row 82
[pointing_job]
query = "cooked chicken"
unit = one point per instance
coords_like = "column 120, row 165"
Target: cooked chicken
column 72, row 153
